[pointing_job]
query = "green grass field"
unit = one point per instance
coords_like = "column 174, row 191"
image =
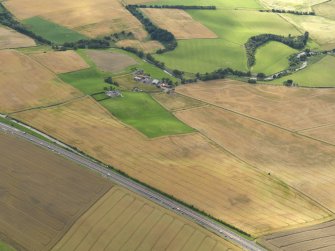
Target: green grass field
column 91, row 80
column 234, row 28
column 5, row 247
column 319, row 74
column 141, row 111
column 51, row 31
column 272, row 58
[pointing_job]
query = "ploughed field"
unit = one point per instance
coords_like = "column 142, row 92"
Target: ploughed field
column 41, row 194
column 123, row 221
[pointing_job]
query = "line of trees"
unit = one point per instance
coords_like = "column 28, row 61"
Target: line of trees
column 84, row 44
column 182, row 7
column 7, row 19
column 294, row 12
column 163, row 36
column 295, row 42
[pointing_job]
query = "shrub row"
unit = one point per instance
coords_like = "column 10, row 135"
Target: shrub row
column 182, row 7
column 294, row 12
column 295, row 42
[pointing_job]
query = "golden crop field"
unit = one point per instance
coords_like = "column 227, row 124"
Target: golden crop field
column 324, row 133
column 305, row 164
column 61, row 61
column 147, row 46
column 10, row 39
column 179, row 23
column 190, row 167
column 326, row 9
column 292, row 108
column 41, row 194
column 110, row 61
column 25, row 83
column 124, row 221
column 89, row 17
column 175, row 101
column 319, row 238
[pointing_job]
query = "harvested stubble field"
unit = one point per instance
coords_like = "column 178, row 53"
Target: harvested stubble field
column 10, row 39
column 189, row 167
column 111, row 61
column 305, row 164
column 175, row 101
column 41, row 194
column 326, row 9
column 301, row 5
column 147, row 47
column 124, row 221
column 291, row 108
column 89, row 17
column 320, row 237
column 324, row 133
column 179, row 23
column 61, row 61
column 25, row 83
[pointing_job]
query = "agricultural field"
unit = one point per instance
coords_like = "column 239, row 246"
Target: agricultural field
column 124, row 221
column 24, row 84
column 141, row 111
column 179, row 23
column 10, row 39
column 272, row 58
column 234, row 28
column 147, row 46
column 127, row 83
column 273, row 150
column 5, row 247
column 318, row 74
column 110, row 61
column 321, row 29
column 324, row 133
column 300, row 5
column 326, row 9
column 33, row 218
column 61, row 61
column 319, row 237
column 175, row 101
column 291, row 108
column 91, row 18
column 52, row 31
column 189, row 167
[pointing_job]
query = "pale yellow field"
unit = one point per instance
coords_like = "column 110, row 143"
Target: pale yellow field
column 179, row 23
column 147, row 47
column 301, row 5
column 124, row 221
column 25, row 83
column 305, row 164
column 89, row 17
column 292, row 108
column 11, row 39
column 326, row 9
column 190, row 167
column 61, row 61
column 175, row 101
column 324, row 133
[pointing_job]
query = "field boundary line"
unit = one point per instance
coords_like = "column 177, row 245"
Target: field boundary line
column 262, row 121
column 315, row 127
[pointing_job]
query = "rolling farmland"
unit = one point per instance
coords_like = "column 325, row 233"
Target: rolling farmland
column 318, row 74
column 179, row 23
column 189, row 167
column 91, row 18
column 319, row 238
column 61, row 61
column 123, row 221
column 10, row 39
column 291, row 108
column 147, row 46
column 233, row 27
column 326, row 9
column 33, row 218
column 30, row 85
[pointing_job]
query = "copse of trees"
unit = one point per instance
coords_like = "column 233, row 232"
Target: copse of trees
column 163, row 36
column 294, row 12
column 295, row 42
column 182, row 7
column 7, row 19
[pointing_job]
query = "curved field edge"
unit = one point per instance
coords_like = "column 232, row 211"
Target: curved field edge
column 163, row 157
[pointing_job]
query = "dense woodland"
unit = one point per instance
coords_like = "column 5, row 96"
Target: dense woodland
column 295, row 42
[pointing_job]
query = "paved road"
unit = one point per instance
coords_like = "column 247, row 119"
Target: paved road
column 164, row 201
